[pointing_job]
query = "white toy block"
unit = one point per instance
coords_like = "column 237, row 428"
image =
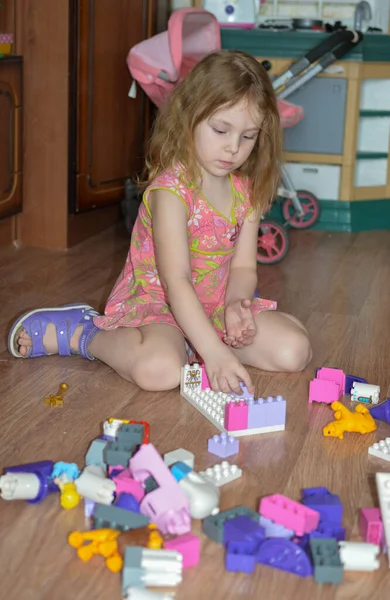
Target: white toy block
column 359, row 556
column 381, row 449
column 179, row 455
column 383, row 488
column 111, row 429
column 134, row 593
column 93, row 484
column 365, row 392
column 222, row 473
column 19, row 486
column 202, row 493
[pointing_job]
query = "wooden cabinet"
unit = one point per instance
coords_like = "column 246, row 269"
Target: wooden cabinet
column 106, row 126
column 10, row 136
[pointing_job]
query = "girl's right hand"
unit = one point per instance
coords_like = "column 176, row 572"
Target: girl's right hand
column 225, row 372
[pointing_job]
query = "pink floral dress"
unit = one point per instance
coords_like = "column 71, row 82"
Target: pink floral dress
column 138, row 298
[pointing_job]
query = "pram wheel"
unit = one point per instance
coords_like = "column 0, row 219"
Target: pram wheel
column 272, row 243
column 311, row 210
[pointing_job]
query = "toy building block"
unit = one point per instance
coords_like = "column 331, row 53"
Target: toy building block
column 95, row 451
column 205, row 383
column 383, row 489
column 180, row 470
column 203, row 495
column 336, row 375
column 289, row 513
column 269, row 414
column 191, row 378
column 179, row 455
column 128, row 502
column 223, row 445
column 321, row 390
column 275, row 530
column 222, row 473
column 68, row 471
column 381, row 412
column 328, row 505
column 89, row 507
column 327, row 530
column 210, row 404
column 236, row 416
column 111, row 427
column 349, row 381
column 126, row 484
column 189, row 547
column 359, row 421
column 99, row 541
column 327, row 564
column 134, row 593
column 58, row 398
column 34, row 489
column 243, row 529
column 131, row 434
column 245, row 394
column 381, row 449
column 213, row 526
column 142, row 427
column 365, row 392
column 119, row 453
column 359, row 556
column 151, row 568
column 117, row 518
column 239, row 557
column 371, row 526
column 286, row 556
column 94, row 485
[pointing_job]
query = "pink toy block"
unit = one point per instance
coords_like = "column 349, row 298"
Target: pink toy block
column 236, row 416
column 371, row 526
column 125, row 483
column 323, row 391
column 205, row 380
column 167, row 506
column 188, row 545
column 336, row 375
column 289, row 513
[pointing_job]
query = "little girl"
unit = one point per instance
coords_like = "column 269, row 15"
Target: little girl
column 187, row 289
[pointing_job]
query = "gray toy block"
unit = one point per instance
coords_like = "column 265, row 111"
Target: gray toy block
column 213, row 526
column 327, row 564
column 95, row 453
column 119, row 453
column 132, row 570
column 118, row 518
column 150, row 484
column 131, row 433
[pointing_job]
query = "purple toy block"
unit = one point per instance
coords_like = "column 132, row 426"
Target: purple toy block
column 381, row 412
column 274, row 530
column 256, row 413
column 327, row 529
column 323, row 391
column 128, row 502
column 289, row 513
column 349, row 382
column 240, row 557
column 286, row 556
column 43, row 470
column 89, row 507
column 223, row 445
column 243, row 528
column 236, row 416
column 266, row 413
column 328, row 505
column 245, row 394
column 336, row 375
column 371, row 525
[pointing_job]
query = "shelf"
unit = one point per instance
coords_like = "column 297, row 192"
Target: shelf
column 375, row 113
column 371, row 155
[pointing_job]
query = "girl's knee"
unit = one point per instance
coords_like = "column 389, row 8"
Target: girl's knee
column 295, row 354
column 157, row 373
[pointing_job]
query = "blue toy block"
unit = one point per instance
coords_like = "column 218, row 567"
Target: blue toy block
column 381, row 412
column 327, row 563
column 266, row 413
column 128, row 502
column 243, row 528
column 328, row 505
column 275, row 530
column 327, row 529
column 179, row 470
column 286, row 556
column 95, row 452
column 223, row 445
column 349, row 379
column 245, row 394
column 239, row 557
column 213, row 526
column 132, row 573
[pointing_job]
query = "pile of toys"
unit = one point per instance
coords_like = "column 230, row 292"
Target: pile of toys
column 141, row 504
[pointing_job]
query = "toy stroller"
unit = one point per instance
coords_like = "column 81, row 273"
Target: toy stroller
column 160, row 63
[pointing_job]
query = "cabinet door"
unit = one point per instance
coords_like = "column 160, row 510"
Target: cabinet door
column 10, row 136
column 109, row 125
column 322, row 129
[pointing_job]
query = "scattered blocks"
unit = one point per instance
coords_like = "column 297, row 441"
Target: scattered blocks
column 239, row 557
column 286, row 556
column 327, row 564
column 189, row 547
column 371, row 526
column 117, row 518
column 381, row 449
column 327, row 504
column 213, row 526
column 151, row 568
column 359, row 556
column 243, row 529
column 95, row 453
column 365, row 392
column 289, row 513
column 323, row 391
column 275, row 530
column 223, row 445
column 179, row 455
column 383, row 488
column 222, row 473
column 268, row 414
column 381, row 412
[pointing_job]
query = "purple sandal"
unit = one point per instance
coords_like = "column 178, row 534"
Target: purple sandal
column 65, row 319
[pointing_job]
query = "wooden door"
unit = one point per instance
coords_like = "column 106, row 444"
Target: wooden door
column 109, row 125
column 10, row 136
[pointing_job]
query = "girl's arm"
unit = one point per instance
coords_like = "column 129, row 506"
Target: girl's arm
column 170, row 235
column 243, row 266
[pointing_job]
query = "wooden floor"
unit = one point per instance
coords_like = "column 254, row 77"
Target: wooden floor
column 337, row 284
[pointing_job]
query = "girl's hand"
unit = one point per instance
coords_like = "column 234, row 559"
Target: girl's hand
column 225, row 372
column 240, row 324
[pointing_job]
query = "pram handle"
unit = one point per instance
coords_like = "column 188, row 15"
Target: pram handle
column 342, row 35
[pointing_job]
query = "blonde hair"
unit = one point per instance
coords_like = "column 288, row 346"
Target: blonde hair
column 221, row 79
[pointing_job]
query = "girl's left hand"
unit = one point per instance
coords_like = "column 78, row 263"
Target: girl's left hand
column 240, row 324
